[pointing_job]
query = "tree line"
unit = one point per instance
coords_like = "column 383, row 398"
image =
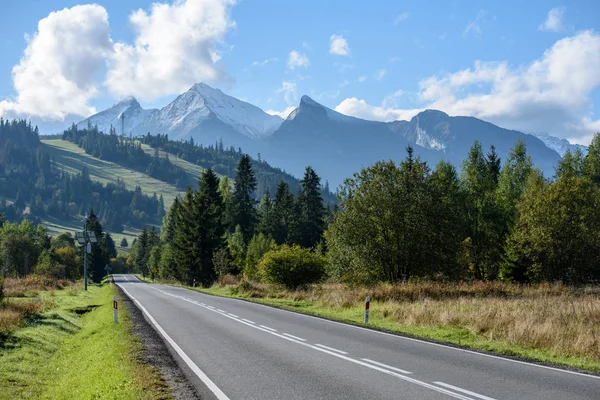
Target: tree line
column 493, row 220
column 32, row 187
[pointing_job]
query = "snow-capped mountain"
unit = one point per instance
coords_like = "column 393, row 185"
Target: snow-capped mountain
column 123, row 117
column 205, row 106
column 559, row 145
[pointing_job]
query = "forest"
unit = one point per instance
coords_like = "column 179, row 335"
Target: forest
column 31, row 187
column 495, row 220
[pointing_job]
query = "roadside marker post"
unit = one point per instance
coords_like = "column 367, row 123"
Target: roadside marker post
column 367, row 305
column 194, row 284
column 116, row 309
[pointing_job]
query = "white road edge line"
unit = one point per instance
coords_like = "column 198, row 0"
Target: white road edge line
column 343, row 357
column 294, row 337
column 271, row 329
column 402, row 371
column 248, row 321
column 331, row 349
column 465, row 391
column 205, row 379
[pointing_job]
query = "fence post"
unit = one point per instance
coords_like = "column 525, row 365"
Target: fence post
column 116, row 309
column 367, row 304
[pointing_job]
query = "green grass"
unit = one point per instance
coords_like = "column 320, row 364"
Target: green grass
column 194, row 170
column 62, row 355
column 445, row 334
column 72, row 159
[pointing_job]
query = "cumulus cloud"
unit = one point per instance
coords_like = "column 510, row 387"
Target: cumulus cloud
column 338, row 45
column 176, row 45
column 551, row 94
column 554, row 20
column 283, row 114
column 56, row 76
column 361, row 109
column 289, row 91
column 297, row 59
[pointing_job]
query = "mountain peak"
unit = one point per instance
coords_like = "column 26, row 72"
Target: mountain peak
column 128, row 101
column 431, row 114
column 307, row 101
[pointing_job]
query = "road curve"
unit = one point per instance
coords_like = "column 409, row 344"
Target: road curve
column 232, row 349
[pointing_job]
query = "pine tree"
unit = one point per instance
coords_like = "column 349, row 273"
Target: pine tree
column 124, row 242
column 142, row 251
column 98, row 259
column 283, row 209
column 243, row 211
column 266, row 212
column 312, row 212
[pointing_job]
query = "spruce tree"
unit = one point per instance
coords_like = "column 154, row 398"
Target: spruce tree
column 98, row 258
column 311, row 210
column 243, row 211
column 266, row 212
column 283, row 210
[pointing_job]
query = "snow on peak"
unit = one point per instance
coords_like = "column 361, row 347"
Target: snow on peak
column 558, row 144
column 122, row 117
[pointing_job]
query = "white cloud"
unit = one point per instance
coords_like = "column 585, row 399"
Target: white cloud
column 160, row 64
column 344, row 83
column 283, row 114
column 401, row 17
column 297, row 59
column 551, row 94
column 474, row 27
column 56, row 76
column 264, row 62
column 379, row 75
column 554, row 20
column 362, row 78
column 360, row 109
column 338, row 45
column 289, row 91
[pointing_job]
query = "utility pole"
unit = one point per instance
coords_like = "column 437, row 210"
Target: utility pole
column 86, row 238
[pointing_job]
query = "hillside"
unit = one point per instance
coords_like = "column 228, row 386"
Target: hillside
column 72, row 159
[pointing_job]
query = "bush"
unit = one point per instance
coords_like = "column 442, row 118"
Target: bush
column 1, row 289
column 291, row 266
column 259, row 245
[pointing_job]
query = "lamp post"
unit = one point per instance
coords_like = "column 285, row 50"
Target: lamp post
column 86, row 238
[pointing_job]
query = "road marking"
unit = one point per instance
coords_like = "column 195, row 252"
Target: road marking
column 386, row 366
column 271, row 329
column 331, row 349
column 218, row 309
column 233, row 315
column 248, row 321
column 211, row 307
column 294, row 337
column 398, row 336
column 343, row 357
column 465, row 391
column 195, row 369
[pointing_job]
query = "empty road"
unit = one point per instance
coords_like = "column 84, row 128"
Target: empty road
column 232, row 349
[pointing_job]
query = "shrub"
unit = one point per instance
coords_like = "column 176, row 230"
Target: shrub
column 259, row 245
column 1, row 289
column 291, row 266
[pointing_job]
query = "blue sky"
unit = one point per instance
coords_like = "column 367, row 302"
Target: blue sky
column 528, row 65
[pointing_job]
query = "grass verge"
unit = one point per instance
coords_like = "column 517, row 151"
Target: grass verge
column 74, row 350
column 547, row 324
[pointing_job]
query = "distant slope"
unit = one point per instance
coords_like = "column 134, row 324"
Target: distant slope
column 73, row 159
column 190, row 168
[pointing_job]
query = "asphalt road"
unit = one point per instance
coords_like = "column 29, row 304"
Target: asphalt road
column 232, row 349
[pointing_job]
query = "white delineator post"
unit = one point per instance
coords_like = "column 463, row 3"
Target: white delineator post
column 116, row 309
column 367, row 304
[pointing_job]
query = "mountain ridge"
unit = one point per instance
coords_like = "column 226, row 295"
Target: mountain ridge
column 209, row 116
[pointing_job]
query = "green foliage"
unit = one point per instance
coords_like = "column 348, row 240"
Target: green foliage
column 124, row 243
column 154, row 261
column 311, row 210
column 291, row 266
column 20, row 247
column 243, row 211
column 284, row 211
column 237, row 250
column 259, row 245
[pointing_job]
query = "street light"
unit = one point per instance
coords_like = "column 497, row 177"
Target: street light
column 86, row 238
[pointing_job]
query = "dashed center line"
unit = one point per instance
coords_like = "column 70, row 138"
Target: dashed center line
column 268, row 328
column 465, row 391
column 219, row 310
column 331, row 349
column 386, row 366
column 294, row 337
column 233, row 315
column 248, row 321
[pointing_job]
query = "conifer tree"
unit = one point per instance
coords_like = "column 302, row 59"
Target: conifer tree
column 283, row 210
column 311, row 210
column 266, row 212
column 243, row 211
